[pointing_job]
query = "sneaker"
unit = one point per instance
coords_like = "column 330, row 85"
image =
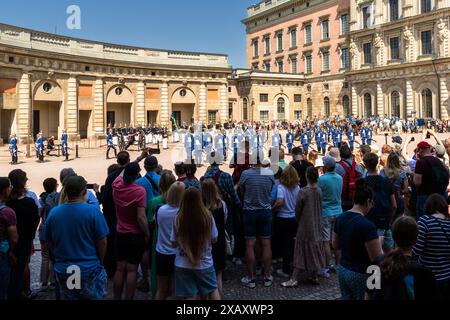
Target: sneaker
column 324, row 273
column 281, row 274
column 268, row 281
column 249, row 283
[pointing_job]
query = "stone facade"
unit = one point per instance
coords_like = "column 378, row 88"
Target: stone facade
column 52, row 83
column 400, row 56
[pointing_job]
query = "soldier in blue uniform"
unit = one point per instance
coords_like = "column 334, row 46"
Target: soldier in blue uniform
column 277, row 141
column 189, row 145
column 305, row 142
column 198, row 148
column 207, row 142
column 110, row 144
column 363, row 135
column 337, row 137
column 64, row 144
column 39, row 144
column 369, row 136
column 13, row 149
column 290, row 141
column 351, row 138
column 323, row 141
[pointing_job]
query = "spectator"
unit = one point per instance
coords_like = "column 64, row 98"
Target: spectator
column 331, row 186
column 309, row 255
column 240, row 163
column 335, row 153
column 180, row 171
column 281, row 163
column 165, row 253
column 49, row 200
column 430, row 176
column 132, row 229
column 192, row 235
column 402, row 278
column 433, row 245
column 90, row 196
column 256, row 185
column 75, row 234
column 384, row 207
column 150, row 182
column 313, row 156
column 27, row 214
column 218, row 208
column 350, row 171
column 357, row 238
column 300, row 165
column 363, row 150
column 191, row 180
column 8, row 238
column 285, row 223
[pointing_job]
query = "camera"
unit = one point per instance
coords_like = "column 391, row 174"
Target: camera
column 397, row 139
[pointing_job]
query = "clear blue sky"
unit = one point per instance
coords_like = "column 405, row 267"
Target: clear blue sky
column 197, row 25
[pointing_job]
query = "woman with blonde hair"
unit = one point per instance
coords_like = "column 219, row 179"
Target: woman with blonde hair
column 285, row 224
column 193, row 234
column 312, row 156
column 165, row 253
column 218, row 208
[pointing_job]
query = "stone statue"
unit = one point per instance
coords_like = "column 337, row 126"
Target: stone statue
column 408, row 36
column 442, row 30
column 353, row 48
column 378, row 42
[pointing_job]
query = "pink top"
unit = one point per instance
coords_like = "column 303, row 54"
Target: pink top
column 128, row 198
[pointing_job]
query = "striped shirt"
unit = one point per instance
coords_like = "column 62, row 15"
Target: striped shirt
column 257, row 184
column 433, row 246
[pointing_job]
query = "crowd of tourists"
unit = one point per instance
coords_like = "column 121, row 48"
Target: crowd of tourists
column 174, row 234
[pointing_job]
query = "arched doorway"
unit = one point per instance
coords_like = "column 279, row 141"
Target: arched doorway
column 427, row 103
column 346, row 106
column 118, row 106
column 395, row 104
column 367, row 105
column 245, row 109
column 48, row 113
column 326, row 106
column 183, row 106
column 281, row 109
column 309, row 107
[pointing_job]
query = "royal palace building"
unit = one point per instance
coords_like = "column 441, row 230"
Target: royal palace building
column 51, row 83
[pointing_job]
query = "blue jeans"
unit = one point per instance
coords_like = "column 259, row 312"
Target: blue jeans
column 353, row 284
column 5, row 272
column 93, row 285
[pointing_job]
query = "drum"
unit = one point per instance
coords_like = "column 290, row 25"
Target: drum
column 115, row 141
column 176, row 137
column 154, row 139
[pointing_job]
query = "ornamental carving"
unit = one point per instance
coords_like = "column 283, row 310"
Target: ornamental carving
column 442, row 30
column 408, row 36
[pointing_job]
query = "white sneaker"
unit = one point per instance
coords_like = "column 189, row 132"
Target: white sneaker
column 324, row 273
column 268, row 281
column 249, row 283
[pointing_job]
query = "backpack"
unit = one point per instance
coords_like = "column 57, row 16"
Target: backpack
column 349, row 183
column 440, row 176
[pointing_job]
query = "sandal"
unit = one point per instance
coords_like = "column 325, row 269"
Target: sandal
column 290, row 284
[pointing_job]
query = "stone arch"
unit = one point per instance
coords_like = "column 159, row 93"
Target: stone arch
column 184, row 95
column 125, row 97
column 277, row 105
column 427, row 95
column 367, row 105
column 54, row 94
column 395, row 105
column 346, row 106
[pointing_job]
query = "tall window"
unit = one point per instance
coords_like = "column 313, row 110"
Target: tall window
column 308, row 33
column 395, row 48
column 346, row 106
column 281, row 109
column 395, row 104
column 280, row 66
column 325, row 29
column 212, row 116
column 280, row 41
column 393, row 10
column 294, row 65
column 326, row 106
column 366, row 16
column 255, row 66
column 425, row 6
column 264, row 115
column 263, row 97
column 367, row 48
column 344, row 24
column 245, row 110
column 267, row 66
column 427, row 103
column 230, row 110
column 309, row 108
column 325, row 61
column 255, row 48
column 297, row 115
column 367, row 105
column 345, row 58
column 427, row 47
column 267, row 45
column 293, row 38
column 308, row 63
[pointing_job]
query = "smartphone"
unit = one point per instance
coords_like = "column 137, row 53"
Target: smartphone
column 90, row 186
column 154, row 151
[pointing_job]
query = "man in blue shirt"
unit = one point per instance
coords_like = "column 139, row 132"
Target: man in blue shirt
column 13, row 149
column 363, row 136
column 64, row 144
column 323, row 141
column 110, row 144
column 75, row 234
column 289, row 141
column 39, row 144
column 305, row 142
column 351, row 138
column 189, row 145
column 369, row 136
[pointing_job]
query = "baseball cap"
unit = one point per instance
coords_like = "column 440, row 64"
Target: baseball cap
column 424, row 145
column 151, row 162
column 74, row 186
column 131, row 172
column 440, row 150
column 329, row 162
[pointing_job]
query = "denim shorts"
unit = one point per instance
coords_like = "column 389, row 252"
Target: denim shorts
column 93, row 286
column 191, row 282
column 257, row 223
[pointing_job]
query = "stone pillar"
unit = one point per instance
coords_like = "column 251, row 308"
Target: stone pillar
column 379, row 6
column 223, row 103
column 409, row 100
column 380, row 100
column 408, row 8
column 71, row 123
column 24, row 112
column 353, row 23
column 202, row 114
column 444, row 98
column 140, row 104
column 354, row 101
column 99, row 107
column 164, row 117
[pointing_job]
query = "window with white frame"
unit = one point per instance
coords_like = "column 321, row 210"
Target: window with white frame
column 280, row 41
column 325, row 29
column 344, row 24
column 280, row 64
column 325, row 60
column 267, row 66
column 308, row 62
column 293, row 34
column 394, row 43
column 366, row 16
column 308, row 33
column 293, row 64
column 255, row 48
column 267, row 45
column 264, row 115
column 425, row 37
column 345, row 58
